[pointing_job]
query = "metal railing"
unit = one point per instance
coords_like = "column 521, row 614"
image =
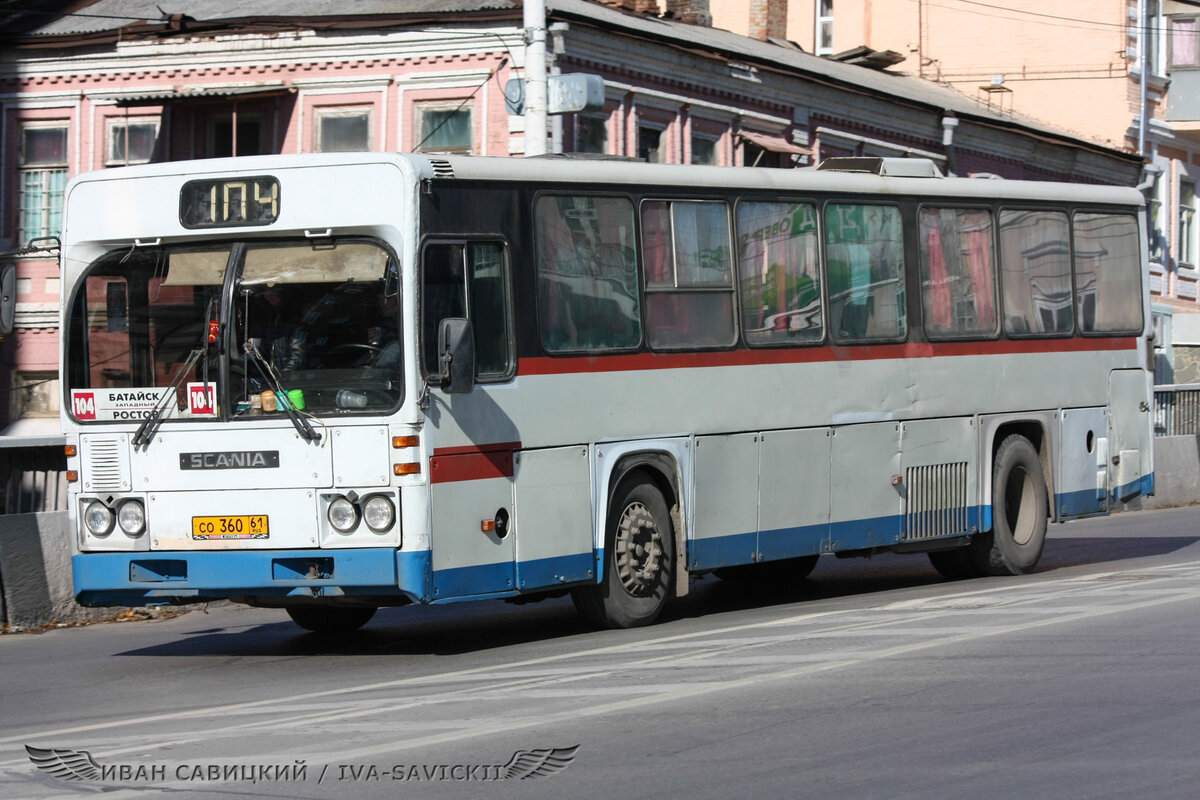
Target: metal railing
column 1177, row 409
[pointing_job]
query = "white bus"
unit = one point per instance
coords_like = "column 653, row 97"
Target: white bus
column 330, row 383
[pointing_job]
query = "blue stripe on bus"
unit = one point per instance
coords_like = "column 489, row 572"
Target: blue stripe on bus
column 143, row 578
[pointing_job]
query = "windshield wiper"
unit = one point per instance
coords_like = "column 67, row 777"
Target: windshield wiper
column 150, row 425
column 268, row 375
column 153, row 420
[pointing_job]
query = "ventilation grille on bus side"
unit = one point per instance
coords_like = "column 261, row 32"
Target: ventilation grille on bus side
column 106, row 465
column 441, row 169
column 937, row 501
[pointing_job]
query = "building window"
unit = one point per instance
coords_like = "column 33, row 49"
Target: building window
column 1187, row 223
column 1185, row 46
column 444, row 129
column 131, row 141
column 704, row 150
column 591, row 134
column 42, row 176
column 650, row 145
column 344, row 131
column 224, row 132
column 824, row 28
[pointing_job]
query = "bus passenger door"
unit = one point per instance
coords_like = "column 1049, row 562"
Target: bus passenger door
column 553, row 520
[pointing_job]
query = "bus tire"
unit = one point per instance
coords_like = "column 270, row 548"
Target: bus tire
column 331, row 619
column 1020, row 512
column 639, row 554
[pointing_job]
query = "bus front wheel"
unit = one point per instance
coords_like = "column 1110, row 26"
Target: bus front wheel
column 1020, row 512
column 331, row 619
column 639, row 553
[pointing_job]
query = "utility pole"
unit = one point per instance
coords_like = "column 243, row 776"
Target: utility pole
column 535, row 77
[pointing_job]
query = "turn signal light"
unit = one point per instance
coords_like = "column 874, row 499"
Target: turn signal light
column 411, row 468
column 72, row 476
column 406, row 441
column 69, row 450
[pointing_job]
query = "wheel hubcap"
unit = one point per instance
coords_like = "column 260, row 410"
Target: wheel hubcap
column 640, row 552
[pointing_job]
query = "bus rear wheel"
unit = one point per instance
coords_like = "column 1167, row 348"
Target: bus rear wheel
column 1020, row 512
column 639, row 554
column 331, row 619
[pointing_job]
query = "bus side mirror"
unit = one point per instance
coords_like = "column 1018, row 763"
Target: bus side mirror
column 456, row 348
column 8, row 298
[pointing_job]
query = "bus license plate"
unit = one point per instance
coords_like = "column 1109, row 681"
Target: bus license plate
column 245, row 526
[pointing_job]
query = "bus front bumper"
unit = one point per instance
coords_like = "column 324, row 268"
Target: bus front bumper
column 158, row 578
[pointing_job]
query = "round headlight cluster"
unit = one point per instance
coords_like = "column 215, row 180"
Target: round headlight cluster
column 130, row 517
column 98, row 519
column 377, row 511
column 343, row 515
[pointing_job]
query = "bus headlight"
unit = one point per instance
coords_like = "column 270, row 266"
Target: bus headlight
column 131, row 516
column 343, row 516
column 379, row 513
column 98, row 519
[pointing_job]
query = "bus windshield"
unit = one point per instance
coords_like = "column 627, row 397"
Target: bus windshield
column 236, row 331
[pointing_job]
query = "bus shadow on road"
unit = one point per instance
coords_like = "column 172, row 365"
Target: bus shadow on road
column 472, row 627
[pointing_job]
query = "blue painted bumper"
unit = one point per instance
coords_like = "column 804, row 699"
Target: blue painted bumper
column 147, row 578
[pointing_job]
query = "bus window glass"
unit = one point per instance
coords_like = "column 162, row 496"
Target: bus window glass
column 864, row 249
column 1035, row 272
column 136, row 322
column 1107, row 273
column 322, row 319
column 587, row 274
column 687, row 255
column 467, row 279
column 779, row 268
column 958, row 280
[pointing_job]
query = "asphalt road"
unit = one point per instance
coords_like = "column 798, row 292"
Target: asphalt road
column 871, row 679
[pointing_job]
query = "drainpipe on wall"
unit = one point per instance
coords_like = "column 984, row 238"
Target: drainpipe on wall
column 949, row 123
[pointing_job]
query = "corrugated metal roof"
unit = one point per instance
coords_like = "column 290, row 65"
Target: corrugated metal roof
column 105, row 15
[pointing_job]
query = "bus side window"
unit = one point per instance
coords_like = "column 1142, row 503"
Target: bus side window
column 864, row 249
column 688, row 260
column 1035, row 272
column 587, row 274
column 1108, row 289
column 467, row 279
column 958, row 280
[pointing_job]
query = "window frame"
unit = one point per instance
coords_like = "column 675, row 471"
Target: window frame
column 420, row 109
column 112, row 124
column 342, row 112
column 510, row 341
column 822, row 272
column 997, row 291
column 866, row 200
column 1130, row 214
column 49, row 210
column 540, row 306
column 731, row 290
column 1187, row 240
column 1066, row 212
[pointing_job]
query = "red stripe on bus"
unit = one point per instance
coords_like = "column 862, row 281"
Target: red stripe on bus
column 546, row 365
column 472, row 463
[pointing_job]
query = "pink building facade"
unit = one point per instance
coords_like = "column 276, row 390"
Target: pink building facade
column 136, row 81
